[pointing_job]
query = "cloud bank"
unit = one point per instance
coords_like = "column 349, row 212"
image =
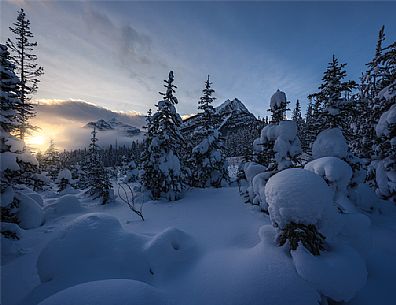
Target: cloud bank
column 64, row 121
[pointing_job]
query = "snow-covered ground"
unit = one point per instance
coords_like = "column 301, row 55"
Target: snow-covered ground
column 207, row 248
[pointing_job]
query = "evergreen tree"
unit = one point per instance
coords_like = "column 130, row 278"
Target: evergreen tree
column 209, row 165
column 333, row 105
column 64, row 180
column 163, row 166
column 278, row 106
column 27, row 68
column 297, row 117
column 309, row 133
column 99, row 182
column 50, row 162
column 370, row 81
column 9, row 98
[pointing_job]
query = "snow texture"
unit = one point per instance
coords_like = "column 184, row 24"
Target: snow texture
column 338, row 274
column 296, row 195
column 336, row 172
column 67, row 204
column 330, row 143
column 30, row 214
column 109, row 292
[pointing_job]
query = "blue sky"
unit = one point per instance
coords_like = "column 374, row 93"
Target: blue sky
column 116, row 54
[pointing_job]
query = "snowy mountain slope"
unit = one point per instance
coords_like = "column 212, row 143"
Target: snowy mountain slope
column 232, row 114
column 207, row 248
column 114, row 125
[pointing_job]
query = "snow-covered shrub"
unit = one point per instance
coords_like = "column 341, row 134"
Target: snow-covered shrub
column 297, row 199
column 330, row 143
column 336, row 172
column 326, row 246
column 17, row 168
column 278, row 146
column 289, row 201
column 132, row 173
column 64, row 180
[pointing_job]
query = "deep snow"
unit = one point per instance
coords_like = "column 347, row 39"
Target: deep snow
column 207, row 248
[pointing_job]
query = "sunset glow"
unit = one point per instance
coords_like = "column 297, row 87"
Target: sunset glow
column 37, row 142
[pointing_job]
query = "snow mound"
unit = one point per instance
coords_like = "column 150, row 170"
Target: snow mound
column 107, row 252
column 108, row 292
column 258, row 187
column 330, row 143
column 68, row 204
column 30, row 214
column 336, row 172
column 364, row 197
column 338, row 274
column 64, row 174
column 36, row 197
column 96, row 247
column 251, row 169
column 296, row 195
column 169, row 251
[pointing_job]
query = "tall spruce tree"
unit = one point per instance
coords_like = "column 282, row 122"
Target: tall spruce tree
column 163, row 164
column 333, row 104
column 98, row 179
column 50, row 162
column 210, row 168
column 297, row 117
column 29, row 72
column 309, row 128
column 9, row 98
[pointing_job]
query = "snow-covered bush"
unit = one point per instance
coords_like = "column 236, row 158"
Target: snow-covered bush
column 296, row 196
column 64, row 180
column 278, row 146
column 336, row 172
column 325, row 245
column 17, row 167
column 330, row 143
column 132, row 173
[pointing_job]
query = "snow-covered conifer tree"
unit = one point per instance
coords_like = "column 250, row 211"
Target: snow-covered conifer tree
column 64, row 180
column 26, row 66
column 209, row 165
column 297, row 117
column 163, row 172
column 333, row 99
column 9, row 98
column 50, row 162
column 98, row 179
